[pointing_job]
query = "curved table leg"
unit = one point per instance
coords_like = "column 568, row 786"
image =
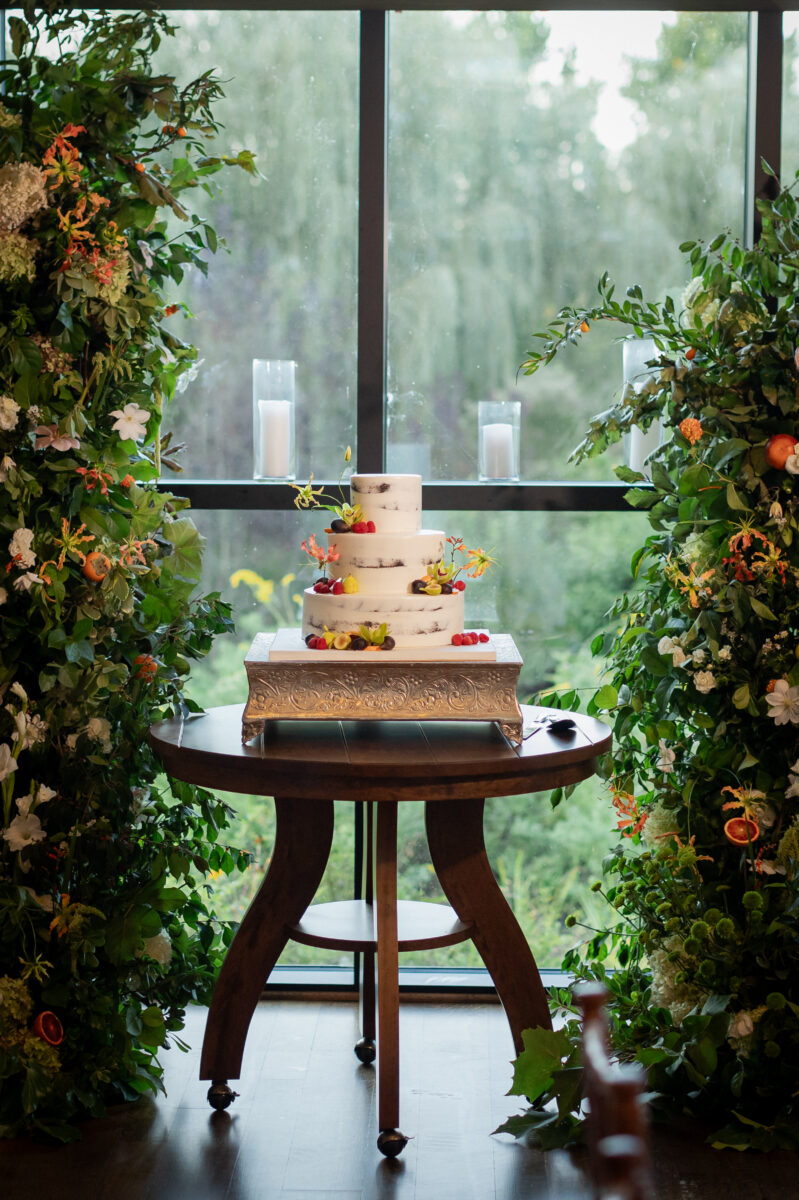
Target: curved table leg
column 304, row 833
column 457, row 850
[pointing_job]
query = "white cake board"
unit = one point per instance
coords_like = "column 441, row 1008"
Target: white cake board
column 289, row 646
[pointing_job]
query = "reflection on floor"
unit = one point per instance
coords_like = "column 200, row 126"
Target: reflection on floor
column 304, row 1127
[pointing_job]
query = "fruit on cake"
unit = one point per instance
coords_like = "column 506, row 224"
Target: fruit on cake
column 395, row 584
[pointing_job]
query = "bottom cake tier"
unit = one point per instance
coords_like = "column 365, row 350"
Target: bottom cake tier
column 412, row 619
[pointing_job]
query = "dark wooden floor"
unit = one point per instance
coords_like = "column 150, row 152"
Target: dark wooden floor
column 303, row 1127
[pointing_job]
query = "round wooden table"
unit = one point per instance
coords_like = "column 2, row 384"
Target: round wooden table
column 307, row 765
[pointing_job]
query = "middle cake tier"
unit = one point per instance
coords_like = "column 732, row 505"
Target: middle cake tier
column 385, row 564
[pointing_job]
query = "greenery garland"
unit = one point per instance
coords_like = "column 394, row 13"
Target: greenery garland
column 703, row 695
column 105, row 935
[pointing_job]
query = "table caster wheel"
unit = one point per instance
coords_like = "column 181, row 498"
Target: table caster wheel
column 366, row 1050
column 220, row 1096
column 391, row 1142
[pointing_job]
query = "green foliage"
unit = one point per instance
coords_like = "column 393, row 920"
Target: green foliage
column 103, row 918
column 703, row 694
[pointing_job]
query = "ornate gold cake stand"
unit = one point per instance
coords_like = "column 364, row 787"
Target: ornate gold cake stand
column 375, row 689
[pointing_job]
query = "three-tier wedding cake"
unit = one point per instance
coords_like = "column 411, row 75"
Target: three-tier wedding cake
column 389, row 571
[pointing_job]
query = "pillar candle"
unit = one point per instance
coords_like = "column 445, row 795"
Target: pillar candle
column 498, row 457
column 275, row 416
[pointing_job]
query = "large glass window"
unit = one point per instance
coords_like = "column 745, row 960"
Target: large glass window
column 283, row 285
column 528, row 154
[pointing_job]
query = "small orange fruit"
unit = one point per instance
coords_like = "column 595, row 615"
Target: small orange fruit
column 181, row 131
column 147, row 667
column 779, row 449
column 741, row 831
column 584, row 327
column 690, row 353
column 96, row 566
column 48, row 1027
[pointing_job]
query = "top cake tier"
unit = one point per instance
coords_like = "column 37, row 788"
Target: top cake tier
column 393, row 502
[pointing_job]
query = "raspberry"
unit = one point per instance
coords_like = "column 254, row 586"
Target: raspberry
column 460, row 585
column 472, row 638
column 482, row 637
column 457, row 639
column 359, row 527
column 338, row 588
column 322, row 587
column 370, row 527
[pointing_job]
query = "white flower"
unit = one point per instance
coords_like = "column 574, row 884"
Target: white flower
column 6, row 464
column 3, row 595
column 71, row 741
column 23, row 583
column 159, row 948
column 792, row 461
column 44, row 900
column 705, row 681
column 24, row 831
column 667, row 756
column 784, row 703
column 769, row 866
column 18, row 690
column 668, row 645
column 699, row 656
column 131, row 421
column 99, row 730
column 7, row 762
column 8, row 412
column 35, row 732
column 20, row 547
column 189, row 376
column 44, row 793
column 741, row 1025
column 765, row 814
column 24, row 804
column 725, row 653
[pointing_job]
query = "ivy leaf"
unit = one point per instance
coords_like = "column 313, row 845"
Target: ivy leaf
column 543, row 1054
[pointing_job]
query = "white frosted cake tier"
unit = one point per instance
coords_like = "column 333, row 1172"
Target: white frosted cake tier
column 412, row 620
column 393, row 502
column 386, row 563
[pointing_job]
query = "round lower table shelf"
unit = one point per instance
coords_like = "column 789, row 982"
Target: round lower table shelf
column 350, row 925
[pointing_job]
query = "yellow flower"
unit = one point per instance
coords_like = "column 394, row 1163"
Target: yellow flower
column 251, row 578
column 478, row 562
column 306, row 495
column 287, row 579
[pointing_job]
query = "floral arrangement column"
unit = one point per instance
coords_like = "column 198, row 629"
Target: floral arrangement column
column 104, row 931
column 703, row 694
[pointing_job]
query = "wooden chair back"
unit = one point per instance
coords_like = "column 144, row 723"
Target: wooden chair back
column 618, row 1140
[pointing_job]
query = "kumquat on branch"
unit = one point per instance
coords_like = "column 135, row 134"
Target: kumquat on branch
column 701, row 687
column 105, row 931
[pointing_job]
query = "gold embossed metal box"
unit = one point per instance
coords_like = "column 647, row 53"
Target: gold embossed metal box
column 472, row 685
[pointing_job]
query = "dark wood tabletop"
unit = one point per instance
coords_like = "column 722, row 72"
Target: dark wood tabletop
column 373, row 760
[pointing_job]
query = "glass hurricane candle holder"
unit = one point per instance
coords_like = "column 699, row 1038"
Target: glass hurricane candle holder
column 499, row 423
column 638, row 444
column 273, row 418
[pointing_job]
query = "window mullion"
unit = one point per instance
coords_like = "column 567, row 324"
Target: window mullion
column 763, row 115
column 372, row 241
